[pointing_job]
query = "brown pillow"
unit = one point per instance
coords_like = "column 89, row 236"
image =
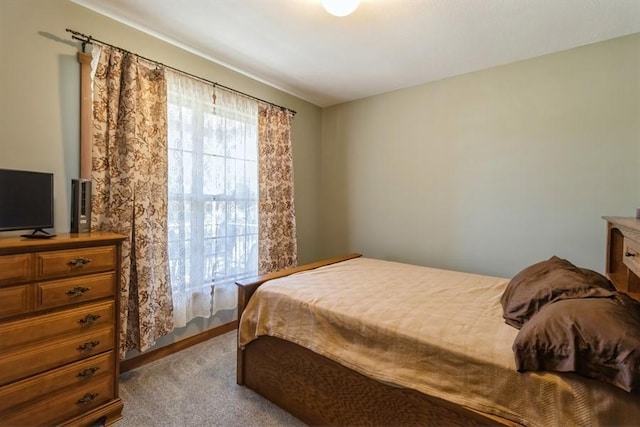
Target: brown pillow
column 598, row 279
column 546, row 282
column 595, row 337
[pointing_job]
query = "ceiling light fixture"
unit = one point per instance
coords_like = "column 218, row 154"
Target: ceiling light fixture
column 340, row 7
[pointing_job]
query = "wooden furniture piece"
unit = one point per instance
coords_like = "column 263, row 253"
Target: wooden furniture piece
column 320, row 391
column 59, row 323
column 623, row 254
column 372, row 342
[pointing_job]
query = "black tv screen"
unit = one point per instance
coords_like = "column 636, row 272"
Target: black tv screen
column 26, row 200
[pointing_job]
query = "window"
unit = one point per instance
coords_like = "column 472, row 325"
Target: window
column 213, row 195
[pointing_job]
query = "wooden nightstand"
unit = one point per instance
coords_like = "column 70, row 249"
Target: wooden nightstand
column 623, row 254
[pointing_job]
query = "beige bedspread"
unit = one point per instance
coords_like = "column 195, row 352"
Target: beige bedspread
column 436, row 331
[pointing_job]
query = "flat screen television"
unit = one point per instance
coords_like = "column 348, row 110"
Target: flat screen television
column 26, row 201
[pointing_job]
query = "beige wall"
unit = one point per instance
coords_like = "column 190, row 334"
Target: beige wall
column 39, row 95
column 490, row 171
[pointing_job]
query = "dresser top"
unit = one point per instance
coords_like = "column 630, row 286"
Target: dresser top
column 628, row 222
column 17, row 243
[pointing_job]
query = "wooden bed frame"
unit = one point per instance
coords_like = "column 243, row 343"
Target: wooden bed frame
column 319, row 391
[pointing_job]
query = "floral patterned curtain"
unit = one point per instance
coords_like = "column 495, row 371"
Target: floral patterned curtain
column 277, row 247
column 129, row 173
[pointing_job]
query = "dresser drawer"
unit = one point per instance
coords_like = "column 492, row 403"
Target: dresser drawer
column 631, row 255
column 63, row 405
column 75, row 261
column 39, row 357
column 76, row 320
column 15, row 268
column 39, row 386
column 15, row 300
column 58, row 293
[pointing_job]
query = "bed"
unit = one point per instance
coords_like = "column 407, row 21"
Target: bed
column 358, row 341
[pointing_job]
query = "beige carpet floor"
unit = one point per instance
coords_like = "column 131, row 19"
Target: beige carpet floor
column 196, row 387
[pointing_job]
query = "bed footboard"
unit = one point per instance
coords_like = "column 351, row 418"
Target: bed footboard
column 319, row 391
column 247, row 287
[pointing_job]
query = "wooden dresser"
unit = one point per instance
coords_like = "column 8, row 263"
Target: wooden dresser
column 59, row 321
column 623, row 254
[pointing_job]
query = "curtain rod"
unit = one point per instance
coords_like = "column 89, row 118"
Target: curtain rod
column 84, row 39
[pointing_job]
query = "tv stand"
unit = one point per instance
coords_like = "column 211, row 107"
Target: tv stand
column 35, row 235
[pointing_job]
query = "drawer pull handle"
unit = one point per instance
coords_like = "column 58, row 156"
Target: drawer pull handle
column 86, row 398
column 89, row 319
column 88, row 373
column 88, row 346
column 629, row 254
column 78, row 262
column 78, row 291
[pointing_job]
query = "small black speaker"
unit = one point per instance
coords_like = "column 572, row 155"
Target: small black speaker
column 80, row 205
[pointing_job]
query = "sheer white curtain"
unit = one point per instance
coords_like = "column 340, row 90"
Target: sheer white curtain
column 213, row 192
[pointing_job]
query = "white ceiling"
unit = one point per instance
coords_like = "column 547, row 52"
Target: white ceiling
column 294, row 45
